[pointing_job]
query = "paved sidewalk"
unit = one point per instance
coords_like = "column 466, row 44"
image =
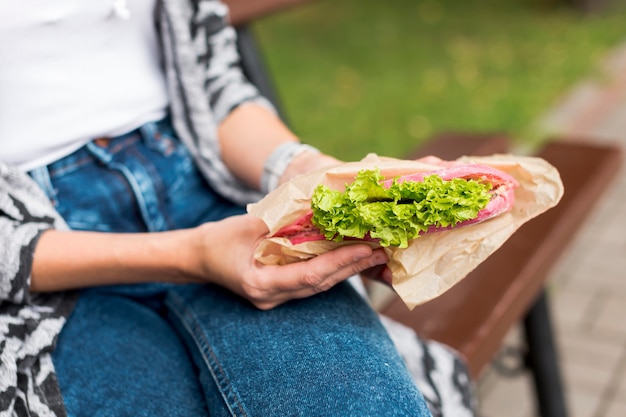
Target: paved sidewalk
column 588, row 286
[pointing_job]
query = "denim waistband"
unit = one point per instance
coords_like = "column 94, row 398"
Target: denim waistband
column 99, row 149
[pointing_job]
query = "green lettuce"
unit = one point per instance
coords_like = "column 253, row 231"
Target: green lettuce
column 396, row 214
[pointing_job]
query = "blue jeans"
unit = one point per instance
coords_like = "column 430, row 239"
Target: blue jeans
column 199, row 350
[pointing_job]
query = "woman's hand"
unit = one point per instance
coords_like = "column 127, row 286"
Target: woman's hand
column 218, row 252
column 306, row 162
column 380, row 273
column 225, row 252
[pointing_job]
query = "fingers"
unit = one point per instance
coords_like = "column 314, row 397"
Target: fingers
column 386, row 276
column 380, row 273
column 267, row 286
column 360, row 261
column 429, row 159
column 304, row 279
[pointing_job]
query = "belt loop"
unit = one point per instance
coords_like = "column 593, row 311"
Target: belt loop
column 147, row 132
column 41, row 176
column 101, row 154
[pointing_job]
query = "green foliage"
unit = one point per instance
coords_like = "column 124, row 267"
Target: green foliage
column 359, row 76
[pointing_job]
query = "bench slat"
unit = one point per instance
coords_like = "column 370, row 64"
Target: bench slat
column 243, row 12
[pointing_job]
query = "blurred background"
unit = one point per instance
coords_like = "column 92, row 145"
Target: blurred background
column 359, row 76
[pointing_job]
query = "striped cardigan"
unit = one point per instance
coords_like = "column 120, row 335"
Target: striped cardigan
column 205, row 83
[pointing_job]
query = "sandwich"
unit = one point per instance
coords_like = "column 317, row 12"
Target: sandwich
column 393, row 211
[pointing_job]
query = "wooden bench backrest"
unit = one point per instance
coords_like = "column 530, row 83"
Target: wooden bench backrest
column 243, row 12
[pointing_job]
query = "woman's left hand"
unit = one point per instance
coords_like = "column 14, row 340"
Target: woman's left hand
column 305, row 162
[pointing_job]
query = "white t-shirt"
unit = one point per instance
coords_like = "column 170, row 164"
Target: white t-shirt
column 74, row 70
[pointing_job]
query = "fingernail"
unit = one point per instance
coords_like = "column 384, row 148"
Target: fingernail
column 379, row 258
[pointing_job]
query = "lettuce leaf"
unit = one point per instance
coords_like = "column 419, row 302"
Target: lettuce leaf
column 399, row 213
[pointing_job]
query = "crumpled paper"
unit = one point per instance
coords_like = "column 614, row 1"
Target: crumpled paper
column 432, row 263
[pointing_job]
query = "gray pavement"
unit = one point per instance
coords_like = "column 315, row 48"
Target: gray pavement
column 588, row 285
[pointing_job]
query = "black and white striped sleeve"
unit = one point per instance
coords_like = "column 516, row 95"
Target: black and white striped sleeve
column 215, row 44
column 24, row 214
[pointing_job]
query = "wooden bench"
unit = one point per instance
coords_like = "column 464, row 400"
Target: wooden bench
column 509, row 288
column 244, row 11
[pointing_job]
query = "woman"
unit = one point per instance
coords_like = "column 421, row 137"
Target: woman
column 130, row 143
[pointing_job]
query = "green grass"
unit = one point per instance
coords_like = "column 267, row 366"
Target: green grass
column 358, row 76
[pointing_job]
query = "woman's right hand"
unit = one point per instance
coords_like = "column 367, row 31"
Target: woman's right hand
column 218, row 252
column 224, row 254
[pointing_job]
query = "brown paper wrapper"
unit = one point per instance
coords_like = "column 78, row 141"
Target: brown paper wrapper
column 432, row 263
